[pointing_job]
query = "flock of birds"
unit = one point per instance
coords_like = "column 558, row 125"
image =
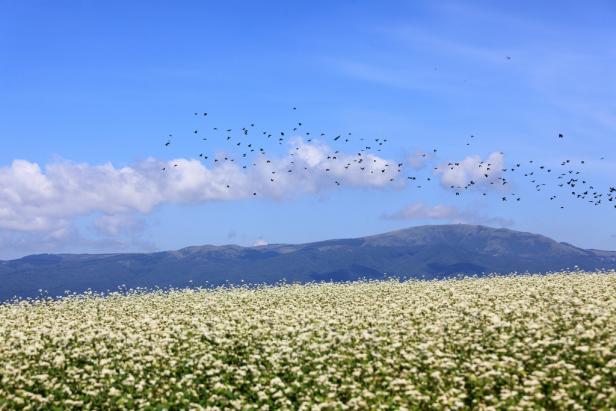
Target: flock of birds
column 569, row 177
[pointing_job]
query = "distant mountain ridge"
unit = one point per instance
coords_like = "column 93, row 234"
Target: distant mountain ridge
column 433, row 251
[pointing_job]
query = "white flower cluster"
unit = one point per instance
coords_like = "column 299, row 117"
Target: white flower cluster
column 503, row 342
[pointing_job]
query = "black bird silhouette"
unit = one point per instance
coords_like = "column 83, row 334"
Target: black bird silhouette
column 487, row 169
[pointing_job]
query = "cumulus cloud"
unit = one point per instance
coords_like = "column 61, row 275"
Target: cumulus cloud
column 33, row 199
column 15, row 244
column 472, row 171
column 260, row 242
column 419, row 159
column 421, row 211
column 113, row 225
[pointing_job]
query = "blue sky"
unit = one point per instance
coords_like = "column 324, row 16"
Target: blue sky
column 89, row 92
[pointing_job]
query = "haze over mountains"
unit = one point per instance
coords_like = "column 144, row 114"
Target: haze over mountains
column 434, row 251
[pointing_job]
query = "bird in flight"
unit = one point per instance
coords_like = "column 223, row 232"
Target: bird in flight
column 539, row 176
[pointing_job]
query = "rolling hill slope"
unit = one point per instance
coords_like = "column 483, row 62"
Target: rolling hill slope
column 432, row 251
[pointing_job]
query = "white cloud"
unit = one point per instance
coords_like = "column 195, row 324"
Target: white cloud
column 35, row 199
column 482, row 173
column 15, row 244
column 420, row 211
column 113, row 225
column 260, row 242
column 419, row 159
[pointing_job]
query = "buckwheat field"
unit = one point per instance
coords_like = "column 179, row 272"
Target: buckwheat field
column 511, row 342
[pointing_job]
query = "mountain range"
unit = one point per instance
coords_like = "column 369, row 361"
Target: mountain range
column 433, row 251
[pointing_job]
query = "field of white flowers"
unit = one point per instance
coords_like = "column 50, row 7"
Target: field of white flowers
column 513, row 342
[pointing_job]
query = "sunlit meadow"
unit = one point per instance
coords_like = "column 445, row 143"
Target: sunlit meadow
column 504, row 342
